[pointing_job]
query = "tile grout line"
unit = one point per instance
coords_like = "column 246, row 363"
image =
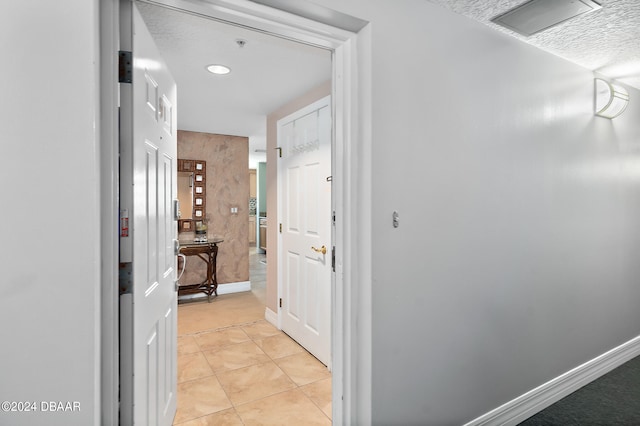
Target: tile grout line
column 224, row 390
column 213, row 330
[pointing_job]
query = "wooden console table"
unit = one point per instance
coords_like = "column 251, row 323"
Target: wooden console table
column 207, row 252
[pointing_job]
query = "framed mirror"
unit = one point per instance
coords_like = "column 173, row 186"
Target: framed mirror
column 192, row 193
column 185, row 194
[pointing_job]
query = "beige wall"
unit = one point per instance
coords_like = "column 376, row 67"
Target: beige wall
column 227, row 187
column 272, row 184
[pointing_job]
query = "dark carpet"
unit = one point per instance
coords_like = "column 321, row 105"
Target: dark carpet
column 611, row 400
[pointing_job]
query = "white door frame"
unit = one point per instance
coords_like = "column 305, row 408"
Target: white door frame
column 351, row 171
column 109, row 367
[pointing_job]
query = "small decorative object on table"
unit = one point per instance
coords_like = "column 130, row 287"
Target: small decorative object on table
column 201, row 233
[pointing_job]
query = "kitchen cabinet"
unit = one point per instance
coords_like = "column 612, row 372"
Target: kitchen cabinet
column 252, row 229
column 252, row 183
column 263, row 233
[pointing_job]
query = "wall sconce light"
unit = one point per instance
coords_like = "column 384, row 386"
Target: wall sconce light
column 610, row 99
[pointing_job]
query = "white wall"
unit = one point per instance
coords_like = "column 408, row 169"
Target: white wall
column 50, row 260
column 516, row 257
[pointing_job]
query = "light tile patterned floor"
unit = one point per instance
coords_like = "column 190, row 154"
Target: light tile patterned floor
column 234, row 368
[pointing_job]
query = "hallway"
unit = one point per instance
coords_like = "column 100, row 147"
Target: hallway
column 234, row 368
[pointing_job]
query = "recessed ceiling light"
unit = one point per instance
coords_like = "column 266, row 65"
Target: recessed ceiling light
column 218, row 69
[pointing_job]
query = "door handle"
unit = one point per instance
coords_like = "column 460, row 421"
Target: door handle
column 322, row 249
column 184, row 266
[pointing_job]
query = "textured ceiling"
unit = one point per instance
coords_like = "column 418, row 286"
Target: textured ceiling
column 266, row 73
column 270, row 71
column 606, row 41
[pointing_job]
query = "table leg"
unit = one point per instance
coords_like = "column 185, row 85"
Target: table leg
column 214, row 273
column 209, row 278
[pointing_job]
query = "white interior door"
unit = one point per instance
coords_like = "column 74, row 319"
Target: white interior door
column 148, row 188
column 304, row 172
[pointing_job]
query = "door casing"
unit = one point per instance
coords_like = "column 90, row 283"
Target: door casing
column 351, row 171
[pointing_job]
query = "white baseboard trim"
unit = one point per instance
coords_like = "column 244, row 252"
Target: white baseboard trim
column 237, row 287
column 271, row 317
column 525, row 406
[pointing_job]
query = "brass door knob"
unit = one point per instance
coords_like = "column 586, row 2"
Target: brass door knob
column 322, row 249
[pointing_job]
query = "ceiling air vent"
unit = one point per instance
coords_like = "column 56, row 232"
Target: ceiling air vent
column 537, row 15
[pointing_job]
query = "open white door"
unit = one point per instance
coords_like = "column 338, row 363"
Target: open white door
column 148, row 186
column 304, row 171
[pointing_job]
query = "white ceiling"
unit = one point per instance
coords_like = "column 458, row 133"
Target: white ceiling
column 606, row 40
column 265, row 74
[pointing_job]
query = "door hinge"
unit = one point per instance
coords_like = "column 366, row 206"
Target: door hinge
column 333, row 217
column 333, row 258
column 281, row 302
column 125, row 67
column 281, row 228
column 279, row 151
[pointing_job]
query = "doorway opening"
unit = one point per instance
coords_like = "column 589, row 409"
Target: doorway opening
column 343, row 44
column 178, row 36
